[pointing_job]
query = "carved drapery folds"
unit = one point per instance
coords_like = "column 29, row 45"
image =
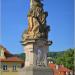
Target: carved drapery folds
column 37, row 27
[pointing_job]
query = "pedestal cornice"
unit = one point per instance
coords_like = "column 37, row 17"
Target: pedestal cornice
column 47, row 42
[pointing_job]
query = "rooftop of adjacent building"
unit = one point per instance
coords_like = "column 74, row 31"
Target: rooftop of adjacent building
column 5, row 50
column 59, row 69
column 11, row 59
column 8, row 56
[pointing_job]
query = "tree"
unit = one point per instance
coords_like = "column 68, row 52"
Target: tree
column 67, row 59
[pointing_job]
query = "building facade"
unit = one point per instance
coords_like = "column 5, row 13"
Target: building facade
column 9, row 64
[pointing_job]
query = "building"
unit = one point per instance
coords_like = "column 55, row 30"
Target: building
column 60, row 69
column 9, row 64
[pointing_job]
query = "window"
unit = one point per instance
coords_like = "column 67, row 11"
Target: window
column 14, row 67
column 4, row 67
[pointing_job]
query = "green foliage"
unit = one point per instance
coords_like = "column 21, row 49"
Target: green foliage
column 22, row 56
column 64, row 57
column 67, row 59
column 54, row 54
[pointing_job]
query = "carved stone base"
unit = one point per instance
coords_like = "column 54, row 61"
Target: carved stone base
column 36, row 71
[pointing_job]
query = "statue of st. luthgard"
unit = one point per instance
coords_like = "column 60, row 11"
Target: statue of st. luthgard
column 36, row 21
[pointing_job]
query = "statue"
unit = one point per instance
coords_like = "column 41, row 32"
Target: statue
column 37, row 27
column 35, row 41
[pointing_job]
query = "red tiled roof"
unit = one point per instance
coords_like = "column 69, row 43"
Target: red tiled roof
column 63, row 69
column 1, row 59
column 52, row 66
column 13, row 59
column 9, row 59
column 5, row 50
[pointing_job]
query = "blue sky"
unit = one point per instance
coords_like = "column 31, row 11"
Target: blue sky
column 14, row 21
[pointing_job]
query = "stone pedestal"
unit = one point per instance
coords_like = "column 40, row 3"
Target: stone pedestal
column 36, row 71
column 36, row 57
column 36, row 52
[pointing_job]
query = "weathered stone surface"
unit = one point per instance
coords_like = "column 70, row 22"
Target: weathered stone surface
column 37, row 27
column 36, row 71
column 36, row 57
column 36, row 52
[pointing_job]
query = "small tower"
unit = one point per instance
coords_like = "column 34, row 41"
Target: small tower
column 35, row 41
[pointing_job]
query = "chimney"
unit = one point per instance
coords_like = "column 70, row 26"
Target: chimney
column 62, row 65
column 57, row 67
